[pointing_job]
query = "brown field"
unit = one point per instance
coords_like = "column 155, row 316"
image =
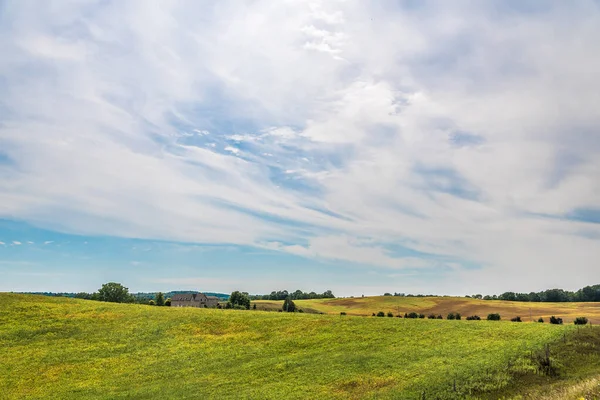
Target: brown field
column 366, row 306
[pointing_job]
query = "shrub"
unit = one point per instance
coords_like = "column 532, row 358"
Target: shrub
column 556, row 321
column 254, row 306
column 373, row 315
column 399, row 316
column 431, row 316
column 541, row 320
column 381, row 314
column 516, row 319
column 152, row 303
column 389, row 314
column 493, row 317
column 440, row 317
column 474, row 318
column 300, row 310
column 288, row 305
column 168, row 302
column 421, row 316
column 343, row 313
column 580, row 321
column 453, row 315
column 411, row 315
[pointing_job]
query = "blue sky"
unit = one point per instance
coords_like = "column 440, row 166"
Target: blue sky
column 359, row 147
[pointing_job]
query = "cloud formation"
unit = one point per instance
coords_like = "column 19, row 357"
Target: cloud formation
column 429, row 136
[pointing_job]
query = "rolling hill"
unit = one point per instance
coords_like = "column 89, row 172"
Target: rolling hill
column 366, row 306
column 72, row 349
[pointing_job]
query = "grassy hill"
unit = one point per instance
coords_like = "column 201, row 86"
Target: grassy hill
column 443, row 305
column 73, row 349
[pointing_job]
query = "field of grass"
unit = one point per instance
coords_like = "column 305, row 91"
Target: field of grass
column 71, row 349
column 443, row 305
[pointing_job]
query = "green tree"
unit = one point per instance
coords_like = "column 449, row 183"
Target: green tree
column 114, row 292
column 238, row 298
column 288, row 305
column 160, row 299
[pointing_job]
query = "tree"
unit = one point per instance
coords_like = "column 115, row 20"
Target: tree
column 114, row 293
column 152, row 302
column 254, row 306
column 238, row 298
column 288, row 305
column 168, row 302
column 160, row 299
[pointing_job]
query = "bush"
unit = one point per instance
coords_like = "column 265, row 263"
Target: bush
column 343, row 313
column 453, row 315
column 288, row 305
column 421, row 316
column 300, row 310
column 168, row 302
column 474, row 318
column 411, row 315
column 493, row 317
column 398, row 316
column 151, row 302
column 254, row 306
column 580, row 321
column 381, row 314
column 556, row 321
column 431, row 316
column 541, row 320
column 440, row 317
column 516, row 319
column 389, row 314
column 373, row 315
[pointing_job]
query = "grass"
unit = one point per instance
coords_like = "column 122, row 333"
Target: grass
column 72, row 349
column 443, row 305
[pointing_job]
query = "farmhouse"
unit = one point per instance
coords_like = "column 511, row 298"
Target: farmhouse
column 194, row 300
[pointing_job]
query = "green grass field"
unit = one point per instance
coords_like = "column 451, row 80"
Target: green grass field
column 443, row 305
column 61, row 348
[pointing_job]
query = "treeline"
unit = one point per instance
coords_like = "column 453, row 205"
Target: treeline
column 297, row 295
column 588, row 293
column 138, row 298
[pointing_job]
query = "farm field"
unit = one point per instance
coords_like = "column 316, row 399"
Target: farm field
column 72, row 349
column 442, row 306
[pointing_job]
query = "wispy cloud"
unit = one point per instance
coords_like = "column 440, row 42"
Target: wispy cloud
column 16, row 243
column 451, row 129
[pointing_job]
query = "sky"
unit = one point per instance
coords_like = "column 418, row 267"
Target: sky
column 362, row 147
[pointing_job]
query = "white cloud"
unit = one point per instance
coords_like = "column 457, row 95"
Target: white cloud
column 49, row 242
column 2, row 243
column 449, row 129
column 16, row 243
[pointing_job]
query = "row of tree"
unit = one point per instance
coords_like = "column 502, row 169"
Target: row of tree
column 297, row 295
column 588, row 293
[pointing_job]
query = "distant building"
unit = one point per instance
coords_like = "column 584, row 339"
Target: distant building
column 194, row 300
